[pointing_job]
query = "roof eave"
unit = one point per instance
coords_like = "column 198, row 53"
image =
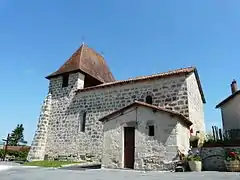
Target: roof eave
column 53, row 75
column 227, row 99
column 199, row 85
column 133, row 81
column 138, row 103
column 73, row 71
column 218, row 106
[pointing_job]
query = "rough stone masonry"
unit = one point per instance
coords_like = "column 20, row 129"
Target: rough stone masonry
column 58, row 128
column 69, row 123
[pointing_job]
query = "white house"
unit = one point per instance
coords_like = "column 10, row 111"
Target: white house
column 230, row 109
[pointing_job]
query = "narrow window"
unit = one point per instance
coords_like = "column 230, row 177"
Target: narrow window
column 151, row 130
column 65, row 80
column 83, row 122
column 149, row 99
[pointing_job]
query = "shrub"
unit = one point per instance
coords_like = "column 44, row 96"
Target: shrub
column 194, row 156
column 19, row 155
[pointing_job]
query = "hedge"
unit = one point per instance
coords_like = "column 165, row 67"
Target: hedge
column 19, row 155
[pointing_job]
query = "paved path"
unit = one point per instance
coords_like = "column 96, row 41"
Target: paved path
column 7, row 165
column 19, row 173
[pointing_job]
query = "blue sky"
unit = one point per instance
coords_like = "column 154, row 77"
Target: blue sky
column 137, row 37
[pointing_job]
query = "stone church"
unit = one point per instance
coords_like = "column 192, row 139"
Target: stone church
column 136, row 123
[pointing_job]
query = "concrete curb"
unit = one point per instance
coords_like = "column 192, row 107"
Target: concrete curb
column 83, row 164
column 27, row 166
column 6, row 167
column 69, row 165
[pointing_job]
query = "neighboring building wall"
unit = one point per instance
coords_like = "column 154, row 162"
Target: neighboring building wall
column 195, row 104
column 154, row 153
column 231, row 113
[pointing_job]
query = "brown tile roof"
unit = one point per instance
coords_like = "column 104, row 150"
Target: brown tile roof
column 186, row 121
column 88, row 61
column 176, row 72
column 17, row 148
column 227, row 99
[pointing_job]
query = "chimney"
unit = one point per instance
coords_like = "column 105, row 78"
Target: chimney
column 234, row 86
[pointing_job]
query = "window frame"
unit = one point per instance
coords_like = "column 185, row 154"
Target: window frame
column 65, row 80
column 83, row 121
column 151, row 130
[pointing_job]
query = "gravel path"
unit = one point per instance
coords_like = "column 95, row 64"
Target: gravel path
column 23, row 173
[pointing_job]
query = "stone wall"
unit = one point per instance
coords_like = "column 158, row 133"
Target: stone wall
column 183, row 136
column 64, row 137
column 151, row 152
column 63, row 126
column 195, row 104
column 213, row 157
column 37, row 150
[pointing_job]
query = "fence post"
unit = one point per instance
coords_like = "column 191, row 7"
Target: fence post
column 220, row 134
column 213, row 132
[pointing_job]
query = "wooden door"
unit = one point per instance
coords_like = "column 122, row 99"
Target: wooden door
column 129, row 147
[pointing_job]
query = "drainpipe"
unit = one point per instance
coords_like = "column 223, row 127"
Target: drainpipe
column 136, row 117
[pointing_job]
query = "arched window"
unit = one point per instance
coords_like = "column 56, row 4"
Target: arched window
column 149, row 99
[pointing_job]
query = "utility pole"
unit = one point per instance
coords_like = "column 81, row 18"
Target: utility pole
column 6, row 145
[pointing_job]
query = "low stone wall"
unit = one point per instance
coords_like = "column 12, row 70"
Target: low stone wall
column 213, row 157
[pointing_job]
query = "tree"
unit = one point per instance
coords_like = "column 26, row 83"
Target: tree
column 16, row 136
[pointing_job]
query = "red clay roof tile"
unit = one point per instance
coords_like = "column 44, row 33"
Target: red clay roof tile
column 227, row 99
column 176, row 72
column 88, row 61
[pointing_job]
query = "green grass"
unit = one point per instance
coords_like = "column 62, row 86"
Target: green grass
column 49, row 163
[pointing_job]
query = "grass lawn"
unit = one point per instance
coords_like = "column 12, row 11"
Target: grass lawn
column 49, row 163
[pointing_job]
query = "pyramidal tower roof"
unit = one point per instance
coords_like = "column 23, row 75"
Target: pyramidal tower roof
column 88, row 61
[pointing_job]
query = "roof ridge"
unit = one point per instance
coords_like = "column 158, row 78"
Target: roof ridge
column 146, row 76
column 81, row 52
column 186, row 70
column 165, row 72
